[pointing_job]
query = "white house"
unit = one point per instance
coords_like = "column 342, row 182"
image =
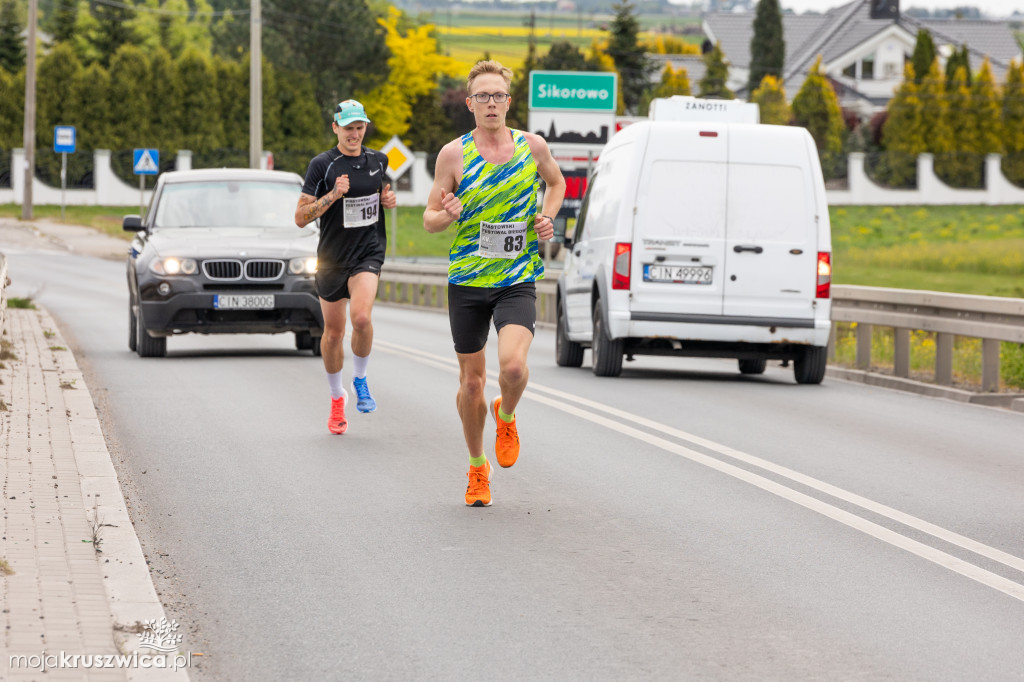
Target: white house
column 864, row 45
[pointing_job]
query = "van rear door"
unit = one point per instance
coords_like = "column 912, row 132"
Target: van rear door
column 771, row 231
column 678, row 250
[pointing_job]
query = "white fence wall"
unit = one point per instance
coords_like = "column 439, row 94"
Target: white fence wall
column 109, row 190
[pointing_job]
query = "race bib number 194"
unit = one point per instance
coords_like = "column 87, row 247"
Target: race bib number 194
column 361, row 211
column 502, row 240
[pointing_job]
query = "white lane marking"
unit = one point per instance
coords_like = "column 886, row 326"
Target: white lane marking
column 922, row 550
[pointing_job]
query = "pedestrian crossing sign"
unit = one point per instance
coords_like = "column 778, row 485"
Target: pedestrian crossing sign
column 146, row 161
column 400, row 158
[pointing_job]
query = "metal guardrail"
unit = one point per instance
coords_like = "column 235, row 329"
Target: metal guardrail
column 989, row 318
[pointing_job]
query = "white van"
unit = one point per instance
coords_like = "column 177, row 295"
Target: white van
column 703, row 239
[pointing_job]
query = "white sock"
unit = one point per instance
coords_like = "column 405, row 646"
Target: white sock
column 337, row 385
column 359, row 366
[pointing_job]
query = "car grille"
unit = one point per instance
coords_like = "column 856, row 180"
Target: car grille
column 223, row 269
column 263, row 269
column 231, row 270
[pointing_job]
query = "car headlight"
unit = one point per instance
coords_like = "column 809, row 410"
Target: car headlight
column 302, row 266
column 174, row 266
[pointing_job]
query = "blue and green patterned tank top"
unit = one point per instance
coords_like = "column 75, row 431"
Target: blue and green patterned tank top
column 496, row 194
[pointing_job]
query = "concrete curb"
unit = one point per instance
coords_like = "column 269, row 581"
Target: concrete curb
column 1013, row 401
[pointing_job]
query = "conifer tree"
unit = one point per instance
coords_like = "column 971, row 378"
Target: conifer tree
column 902, row 134
column 960, row 59
column 519, row 109
column 58, row 71
column 767, row 46
column 12, row 46
column 1013, row 123
column 273, row 134
column 672, row 83
column 130, row 128
column 716, row 75
column 301, row 126
column 84, row 35
column 630, row 59
column 963, row 170
column 233, row 94
column 113, row 29
column 93, row 108
column 12, row 108
column 202, row 130
column 816, row 108
column 986, row 109
column 59, row 22
column 771, row 99
column 924, row 54
column 938, row 135
column 165, row 90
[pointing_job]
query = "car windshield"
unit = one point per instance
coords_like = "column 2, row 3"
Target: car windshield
column 227, row 203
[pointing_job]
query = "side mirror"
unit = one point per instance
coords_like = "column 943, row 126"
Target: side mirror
column 132, row 223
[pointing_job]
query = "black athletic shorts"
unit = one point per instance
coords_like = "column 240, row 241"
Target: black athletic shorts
column 470, row 310
column 332, row 283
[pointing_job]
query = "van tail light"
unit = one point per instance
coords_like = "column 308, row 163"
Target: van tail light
column 620, row 266
column 824, row 288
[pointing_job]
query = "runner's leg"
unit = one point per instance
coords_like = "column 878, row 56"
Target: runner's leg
column 513, row 345
column 331, row 345
column 362, row 286
column 470, row 399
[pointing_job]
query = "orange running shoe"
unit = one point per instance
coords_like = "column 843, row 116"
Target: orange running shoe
column 506, row 444
column 478, row 492
column 337, row 423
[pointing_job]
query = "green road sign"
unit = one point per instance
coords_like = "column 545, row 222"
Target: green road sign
column 573, row 90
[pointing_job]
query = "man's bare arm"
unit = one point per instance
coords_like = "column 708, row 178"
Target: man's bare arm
column 554, row 183
column 443, row 207
column 310, row 208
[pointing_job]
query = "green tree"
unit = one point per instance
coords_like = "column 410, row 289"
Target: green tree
column 960, row 59
column 145, row 25
column 130, row 126
column 84, row 36
column 816, row 108
column 716, row 74
column 771, row 99
column 55, row 94
column 672, row 83
column 165, row 95
column 12, row 46
column 230, row 36
column 113, row 28
column 233, row 95
column 1013, row 123
column 93, row 108
column 986, row 110
column 518, row 114
column 342, row 46
column 12, row 108
column 630, row 60
column 938, row 136
column 273, row 136
column 202, row 129
column 564, row 56
column 963, row 169
column 767, row 46
column 300, row 126
column 924, row 54
column 180, row 32
column 59, row 22
column 902, row 134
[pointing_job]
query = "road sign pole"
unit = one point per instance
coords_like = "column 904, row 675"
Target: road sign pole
column 63, row 183
column 142, row 195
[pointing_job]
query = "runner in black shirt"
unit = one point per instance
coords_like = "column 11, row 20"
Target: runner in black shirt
column 345, row 187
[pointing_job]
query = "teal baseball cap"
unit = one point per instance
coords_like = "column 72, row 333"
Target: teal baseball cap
column 349, row 111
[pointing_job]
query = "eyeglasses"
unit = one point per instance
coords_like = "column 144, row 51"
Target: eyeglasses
column 499, row 97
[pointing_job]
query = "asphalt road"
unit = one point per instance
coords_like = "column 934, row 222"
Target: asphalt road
column 679, row 522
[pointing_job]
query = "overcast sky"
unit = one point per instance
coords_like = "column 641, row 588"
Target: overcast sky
column 994, row 8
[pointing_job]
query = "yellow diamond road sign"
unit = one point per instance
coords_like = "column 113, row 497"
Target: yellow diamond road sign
column 400, row 158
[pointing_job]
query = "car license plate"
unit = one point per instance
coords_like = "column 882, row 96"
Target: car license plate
column 680, row 274
column 243, row 301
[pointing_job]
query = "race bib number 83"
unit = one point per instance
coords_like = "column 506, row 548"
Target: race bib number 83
column 502, row 240
column 361, row 211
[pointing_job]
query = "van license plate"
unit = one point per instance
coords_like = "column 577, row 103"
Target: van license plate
column 679, row 274
column 243, row 301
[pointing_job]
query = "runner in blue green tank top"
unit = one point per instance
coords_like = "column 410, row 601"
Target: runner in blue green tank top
column 486, row 184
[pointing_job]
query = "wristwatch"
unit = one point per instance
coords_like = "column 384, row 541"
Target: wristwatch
column 549, row 218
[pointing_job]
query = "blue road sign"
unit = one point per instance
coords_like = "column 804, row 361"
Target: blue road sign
column 146, row 161
column 64, row 139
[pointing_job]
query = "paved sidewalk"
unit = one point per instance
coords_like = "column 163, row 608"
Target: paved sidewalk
column 73, row 578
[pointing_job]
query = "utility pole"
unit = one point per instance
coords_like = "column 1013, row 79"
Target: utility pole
column 255, row 85
column 30, row 112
